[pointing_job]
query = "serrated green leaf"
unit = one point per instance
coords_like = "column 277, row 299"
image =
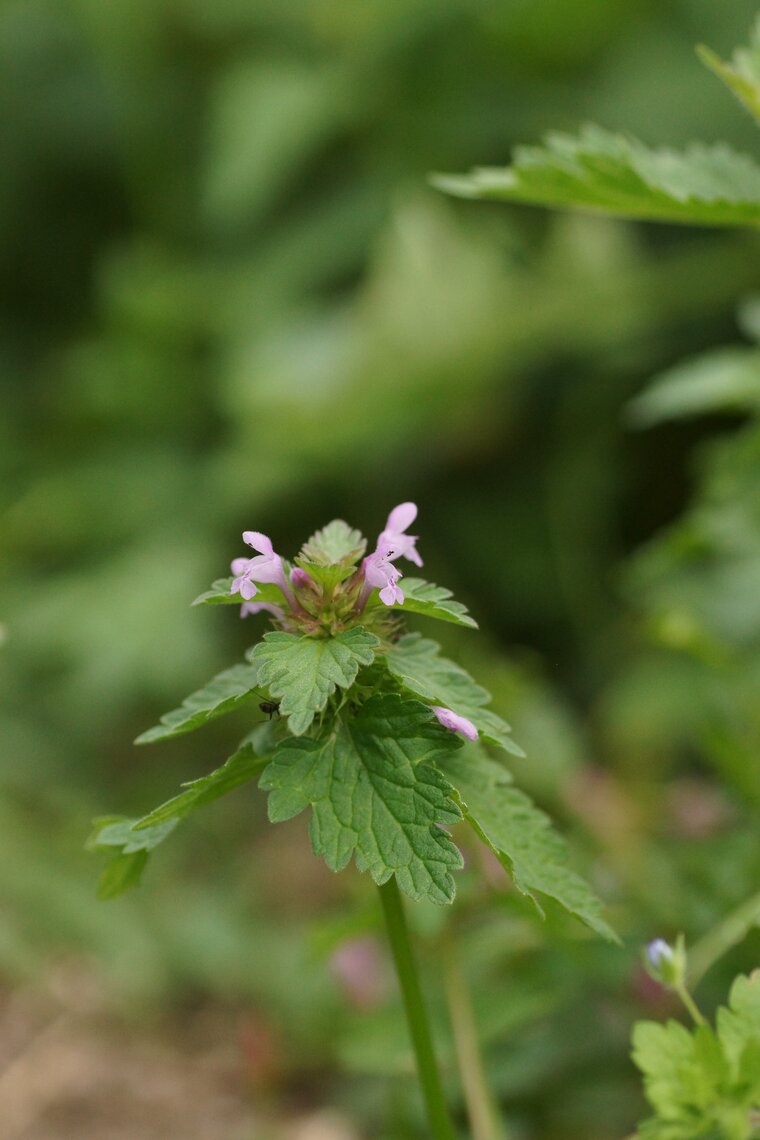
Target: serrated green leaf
column 416, row 662
column 125, row 870
column 304, row 672
column 327, row 577
column 520, row 835
column 223, row 693
column 335, row 543
column 742, row 74
column 426, row 598
column 241, row 767
column 607, row 173
column 375, row 794
column 727, row 380
column 739, row 1025
column 665, row 1054
column 221, row 594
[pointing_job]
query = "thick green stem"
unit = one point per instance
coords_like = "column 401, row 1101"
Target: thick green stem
column 441, row 1127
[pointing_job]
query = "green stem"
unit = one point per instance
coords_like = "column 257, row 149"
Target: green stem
column 416, row 1014
column 690, row 1004
column 483, row 1114
column 727, row 934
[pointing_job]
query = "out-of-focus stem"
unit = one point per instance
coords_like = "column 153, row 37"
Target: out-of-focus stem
column 482, row 1112
column 722, row 938
column 441, row 1127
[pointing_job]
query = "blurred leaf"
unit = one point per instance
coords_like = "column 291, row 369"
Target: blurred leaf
column 727, row 380
column 221, row 594
column 304, row 672
column 433, row 601
column 607, row 173
column 520, row 836
column 417, row 664
column 225, row 692
column 742, row 74
column 126, row 869
column 374, row 793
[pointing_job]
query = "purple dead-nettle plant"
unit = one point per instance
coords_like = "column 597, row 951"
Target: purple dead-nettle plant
column 387, row 741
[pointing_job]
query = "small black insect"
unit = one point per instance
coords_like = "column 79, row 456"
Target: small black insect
column 269, row 707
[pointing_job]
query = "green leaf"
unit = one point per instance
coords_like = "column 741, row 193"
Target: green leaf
column 739, row 1025
column 520, row 836
column 426, row 598
column 242, row 766
column 742, row 74
column 335, row 543
column 125, row 870
column 727, row 380
column 221, row 594
column 416, row 662
column 223, row 693
column 607, row 173
column 374, row 793
column 304, row 672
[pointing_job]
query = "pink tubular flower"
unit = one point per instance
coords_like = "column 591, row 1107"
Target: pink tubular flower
column 456, row 723
column 380, row 572
column 266, row 567
column 250, row 608
column 404, row 545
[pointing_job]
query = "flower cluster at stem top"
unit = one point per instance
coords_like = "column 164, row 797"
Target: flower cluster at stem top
column 321, row 599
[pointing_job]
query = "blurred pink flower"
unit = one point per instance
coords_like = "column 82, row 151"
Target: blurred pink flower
column 456, row 723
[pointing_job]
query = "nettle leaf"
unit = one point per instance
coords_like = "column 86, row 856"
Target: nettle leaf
column 426, row 598
column 520, row 836
column 375, row 794
column 223, row 693
column 742, row 74
column 610, row 174
column 221, row 594
column 335, row 543
column 126, row 869
column 739, row 1025
column 304, row 672
column 727, row 380
column 241, row 767
column 416, row 662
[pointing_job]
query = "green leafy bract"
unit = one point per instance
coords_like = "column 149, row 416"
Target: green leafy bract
column 223, row 693
column 336, row 543
column 607, row 173
column 742, row 74
column 416, row 662
column 520, row 836
column 703, row 1084
column 426, row 598
column 125, row 870
column 221, row 594
column 242, row 766
column 375, row 793
column 304, row 672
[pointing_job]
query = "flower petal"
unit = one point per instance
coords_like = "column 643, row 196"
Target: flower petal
column 455, row 723
column 259, row 542
column 401, row 517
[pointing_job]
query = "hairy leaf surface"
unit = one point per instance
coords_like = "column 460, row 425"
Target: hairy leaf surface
column 375, row 794
column 416, row 662
column 304, row 672
column 520, row 835
column 222, row 694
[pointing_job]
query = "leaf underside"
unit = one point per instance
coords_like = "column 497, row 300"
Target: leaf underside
column 241, row 767
column 303, row 673
column 416, row 663
column 741, row 75
column 426, row 598
column 225, row 692
column 131, row 854
column 610, row 174
column 521, row 837
column 221, row 594
column 375, row 794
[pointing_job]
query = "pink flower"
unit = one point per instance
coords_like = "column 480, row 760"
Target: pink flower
column 250, row 608
column 456, row 723
column 404, row 545
column 266, row 567
column 380, row 572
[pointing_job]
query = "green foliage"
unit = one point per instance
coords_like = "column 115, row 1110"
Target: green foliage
column 520, row 836
column 126, row 868
column 610, row 174
column 727, row 380
column 221, row 594
column 704, row 1085
column 742, row 74
column 374, row 793
column 303, row 672
column 225, row 692
column 241, row 767
column 426, row 598
column 335, row 544
column 417, row 664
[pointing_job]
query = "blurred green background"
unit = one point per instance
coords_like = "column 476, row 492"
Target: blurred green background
column 230, row 300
